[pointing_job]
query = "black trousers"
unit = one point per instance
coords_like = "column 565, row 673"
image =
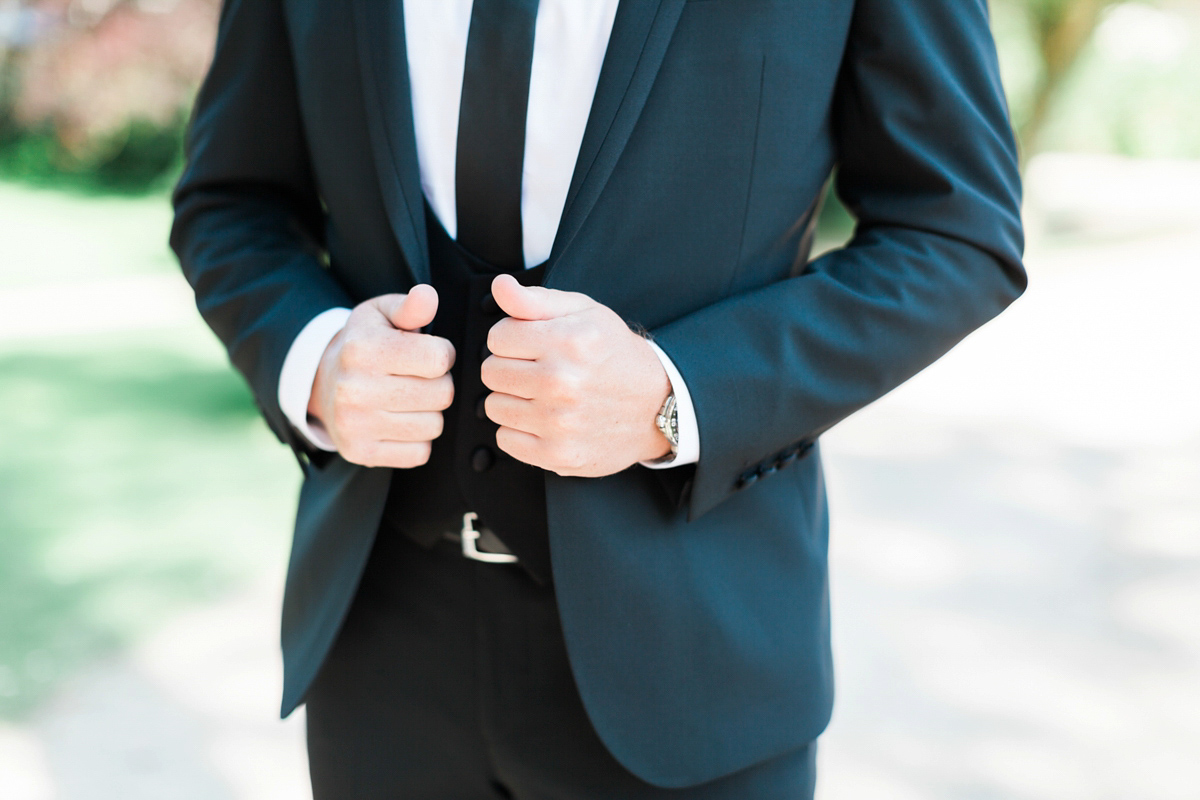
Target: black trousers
column 450, row 680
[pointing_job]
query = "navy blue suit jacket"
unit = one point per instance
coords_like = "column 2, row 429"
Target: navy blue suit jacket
column 694, row 601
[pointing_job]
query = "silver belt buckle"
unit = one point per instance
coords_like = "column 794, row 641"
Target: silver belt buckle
column 469, row 538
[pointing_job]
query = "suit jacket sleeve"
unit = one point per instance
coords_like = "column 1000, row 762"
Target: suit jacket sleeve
column 248, row 221
column 927, row 163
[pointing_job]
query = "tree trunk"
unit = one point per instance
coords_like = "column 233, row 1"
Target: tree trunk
column 1062, row 29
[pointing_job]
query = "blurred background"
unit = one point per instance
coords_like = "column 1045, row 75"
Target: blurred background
column 1016, row 531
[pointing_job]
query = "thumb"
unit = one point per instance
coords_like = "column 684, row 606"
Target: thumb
column 536, row 302
column 416, row 310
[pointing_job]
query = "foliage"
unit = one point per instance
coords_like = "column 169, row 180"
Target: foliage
column 95, row 92
column 1102, row 75
column 1060, row 29
column 142, row 155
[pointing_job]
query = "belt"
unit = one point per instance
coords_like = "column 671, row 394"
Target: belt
column 493, row 552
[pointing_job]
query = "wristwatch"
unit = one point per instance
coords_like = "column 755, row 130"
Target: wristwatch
column 667, row 422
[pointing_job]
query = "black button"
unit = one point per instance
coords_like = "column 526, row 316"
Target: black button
column 484, row 353
column 482, row 459
column 747, row 479
column 480, row 411
column 768, row 469
column 787, row 458
column 488, row 305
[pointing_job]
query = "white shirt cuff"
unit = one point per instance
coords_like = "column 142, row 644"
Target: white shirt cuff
column 300, row 369
column 689, row 432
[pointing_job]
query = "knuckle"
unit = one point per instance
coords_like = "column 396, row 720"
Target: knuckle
column 579, row 344
column 565, row 471
column 502, row 441
column 431, row 361
column 503, row 335
column 376, row 456
column 561, row 423
column 445, row 396
column 507, row 441
column 487, row 374
column 591, row 340
column 418, row 454
column 354, row 353
column 355, row 453
column 566, row 388
column 569, row 347
column 443, row 358
column 435, row 426
column 436, row 394
column 563, row 454
column 343, row 418
column 346, row 394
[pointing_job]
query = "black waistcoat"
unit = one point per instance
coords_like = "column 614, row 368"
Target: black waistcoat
column 466, row 471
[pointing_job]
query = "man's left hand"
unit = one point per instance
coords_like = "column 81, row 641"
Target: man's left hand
column 575, row 391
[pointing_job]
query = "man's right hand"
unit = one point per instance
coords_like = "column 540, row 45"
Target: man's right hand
column 381, row 386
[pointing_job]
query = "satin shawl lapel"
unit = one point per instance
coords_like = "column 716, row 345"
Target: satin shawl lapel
column 383, row 59
column 641, row 32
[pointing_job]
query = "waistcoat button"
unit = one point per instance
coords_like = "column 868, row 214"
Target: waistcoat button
column 488, row 305
column 482, row 459
column 480, row 411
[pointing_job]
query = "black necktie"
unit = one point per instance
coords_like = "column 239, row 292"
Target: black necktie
column 491, row 130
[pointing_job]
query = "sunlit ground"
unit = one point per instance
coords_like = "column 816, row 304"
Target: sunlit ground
column 1016, row 542
column 137, row 487
column 1015, row 552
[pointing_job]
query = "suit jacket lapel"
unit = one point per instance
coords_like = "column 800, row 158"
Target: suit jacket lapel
column 383, row 60
column 641, row 32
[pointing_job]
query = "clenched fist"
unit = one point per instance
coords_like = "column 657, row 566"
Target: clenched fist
column 381, row 386
column 574, row 390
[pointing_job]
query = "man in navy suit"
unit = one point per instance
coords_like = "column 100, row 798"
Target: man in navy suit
column 527, row 288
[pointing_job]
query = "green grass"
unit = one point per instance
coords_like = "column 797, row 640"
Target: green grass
column 50, row 236
column 135, row 475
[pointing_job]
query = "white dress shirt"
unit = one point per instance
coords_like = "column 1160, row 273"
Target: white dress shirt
column 570, row 40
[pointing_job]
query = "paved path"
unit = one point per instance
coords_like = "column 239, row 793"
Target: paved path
column 1015, row 559
column 1016, row 543
column 1017, row 600
column 189, row 714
